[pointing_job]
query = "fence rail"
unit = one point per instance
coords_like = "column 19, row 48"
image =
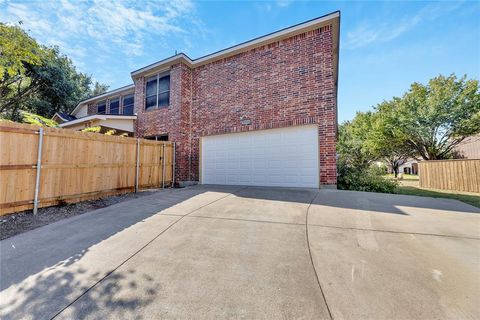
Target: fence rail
column 459, row 175
column 75, row 166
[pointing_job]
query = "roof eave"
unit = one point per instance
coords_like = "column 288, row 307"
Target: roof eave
column 181, row 57
column 97, row 116
column 58, row 115
column 257, row 42
column 103, row 95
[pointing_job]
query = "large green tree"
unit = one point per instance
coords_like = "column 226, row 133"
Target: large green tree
column 353, row 144
column 38, row 79
column 18, row 51
column 393, row 149
column 433, row 119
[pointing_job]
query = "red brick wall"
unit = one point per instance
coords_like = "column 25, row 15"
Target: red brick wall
column 285, row 83
column 92, row 108
column 173, row 120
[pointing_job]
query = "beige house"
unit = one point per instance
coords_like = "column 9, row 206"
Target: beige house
column 469, row 148
column 110, row 110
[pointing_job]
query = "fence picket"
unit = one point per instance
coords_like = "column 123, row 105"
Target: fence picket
column 76, row 166
column 459, row 175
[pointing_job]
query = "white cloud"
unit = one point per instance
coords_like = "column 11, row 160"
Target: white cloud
column 283, row 3
column 368, row 33
column 81, row 26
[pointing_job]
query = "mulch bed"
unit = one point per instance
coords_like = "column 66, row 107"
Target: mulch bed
column 16, row 223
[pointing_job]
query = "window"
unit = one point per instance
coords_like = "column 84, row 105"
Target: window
column 157, row 92
column 114, row 106
column 128, row 104
column 161, row 137
column 101, row 107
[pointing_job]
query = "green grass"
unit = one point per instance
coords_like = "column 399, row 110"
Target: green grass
column 471, row 199
column 405, row 176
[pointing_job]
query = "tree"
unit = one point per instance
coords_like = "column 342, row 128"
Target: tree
column 432, row 119
column 38, row 79
column 357, row 153
column 99, row 88
column 17, row 51
column 383, row 143
column 353, row 144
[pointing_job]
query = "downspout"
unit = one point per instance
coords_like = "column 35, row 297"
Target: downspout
column 190, row 128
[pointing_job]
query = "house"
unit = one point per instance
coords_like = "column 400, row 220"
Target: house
column 263, row 112
column 110, row 110
column 410, row 166
column 469, row 148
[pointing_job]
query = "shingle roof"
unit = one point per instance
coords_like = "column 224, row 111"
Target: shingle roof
column 66, row 116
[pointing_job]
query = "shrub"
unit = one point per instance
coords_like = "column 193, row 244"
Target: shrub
column 35, row 119
column 92, row 129
column 369, row 179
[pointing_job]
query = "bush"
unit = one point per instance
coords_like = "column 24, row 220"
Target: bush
column 35, row 119
column 370, row 179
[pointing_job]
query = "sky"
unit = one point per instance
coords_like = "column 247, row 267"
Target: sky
column 384, row 46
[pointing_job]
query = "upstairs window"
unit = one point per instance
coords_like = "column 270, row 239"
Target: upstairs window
column 101, row 107
column 157, row 92
column 128, row 104
column 115, row 106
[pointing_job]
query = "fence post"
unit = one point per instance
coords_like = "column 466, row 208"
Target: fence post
column 173, row 166
column 137, row 165
column 163, row 170
column 39, row 168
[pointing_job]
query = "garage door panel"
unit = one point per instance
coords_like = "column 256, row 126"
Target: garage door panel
column 276, row 157
column 307, row 163
column 307, row 179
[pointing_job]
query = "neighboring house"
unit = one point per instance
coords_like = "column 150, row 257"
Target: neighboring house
column 469, row 148
column 110, row 110
column 61, row 117
column 263, row 112
column 408, row 167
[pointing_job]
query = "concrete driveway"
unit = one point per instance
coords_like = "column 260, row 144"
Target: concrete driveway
column 250, row 253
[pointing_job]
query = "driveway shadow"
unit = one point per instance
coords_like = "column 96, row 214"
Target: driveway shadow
column 50, row 295
column 64, row 242
column 389, row 203
column 356, row 200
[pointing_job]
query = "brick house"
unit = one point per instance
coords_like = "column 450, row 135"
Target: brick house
column 263, row 112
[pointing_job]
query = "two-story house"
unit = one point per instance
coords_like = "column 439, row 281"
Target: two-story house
column 263, row 112
column 111, row 110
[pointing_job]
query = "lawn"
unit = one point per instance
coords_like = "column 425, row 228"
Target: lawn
column 405, row 176
column 409, row 185
column 470, row 198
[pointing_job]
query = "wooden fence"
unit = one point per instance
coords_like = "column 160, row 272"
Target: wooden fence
column 459, row 175
column 75, row 166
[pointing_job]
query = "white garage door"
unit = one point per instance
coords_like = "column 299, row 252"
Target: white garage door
column 286, row 157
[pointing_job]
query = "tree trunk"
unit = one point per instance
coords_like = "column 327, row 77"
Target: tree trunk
column 395, row 166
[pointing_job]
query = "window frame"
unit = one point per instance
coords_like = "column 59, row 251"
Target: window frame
column 109, row 104
column 157, row 78
column 100, row 103
column 158, row 137
column 132, row 104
